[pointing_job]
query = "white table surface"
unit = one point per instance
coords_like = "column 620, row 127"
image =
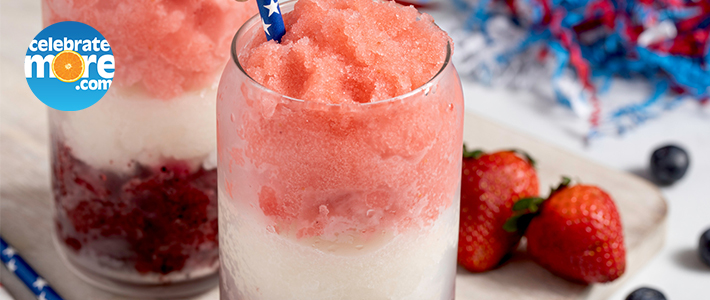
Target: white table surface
column 677, row 270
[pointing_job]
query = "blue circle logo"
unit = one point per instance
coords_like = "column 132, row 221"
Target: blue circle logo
column 69, row 66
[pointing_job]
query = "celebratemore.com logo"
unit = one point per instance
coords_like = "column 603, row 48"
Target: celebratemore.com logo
column 69, row 66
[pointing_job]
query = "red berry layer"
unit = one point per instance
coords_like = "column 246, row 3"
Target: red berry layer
column 158, row 220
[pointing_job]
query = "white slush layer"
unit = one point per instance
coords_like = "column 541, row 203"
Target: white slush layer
column 127, row 126
column 259, row 264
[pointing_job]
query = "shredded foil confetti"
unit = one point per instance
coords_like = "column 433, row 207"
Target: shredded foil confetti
column 578, row 46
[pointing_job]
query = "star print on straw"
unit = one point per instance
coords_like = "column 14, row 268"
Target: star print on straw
column 271, row 19
column 9, row 252
column 273, row 7
column 39, row 283
column 12, row 265
column 266, row 28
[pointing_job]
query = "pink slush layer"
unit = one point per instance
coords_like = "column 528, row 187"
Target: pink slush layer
column 168, row 46
column 349, row 51
column 383, row 169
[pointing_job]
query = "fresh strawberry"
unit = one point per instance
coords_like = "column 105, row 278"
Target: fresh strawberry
column 576, row 234
column 490, row 185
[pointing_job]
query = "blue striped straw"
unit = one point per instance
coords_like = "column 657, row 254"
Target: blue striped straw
column 271, row 19
column 22, row 270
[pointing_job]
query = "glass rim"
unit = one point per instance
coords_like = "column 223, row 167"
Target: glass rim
column 256, row 18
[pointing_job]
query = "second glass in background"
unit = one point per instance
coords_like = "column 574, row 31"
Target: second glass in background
column 134, row 176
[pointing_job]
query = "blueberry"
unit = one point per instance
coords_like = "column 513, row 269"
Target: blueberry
column 645, row 293
column 704, row 247
column 669, row 164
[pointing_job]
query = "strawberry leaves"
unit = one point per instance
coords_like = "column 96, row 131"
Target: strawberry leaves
column 528, row 208
column 527, row 156
column 531, row 204
column 566, row 181
column 524, row 210
column 475, row 154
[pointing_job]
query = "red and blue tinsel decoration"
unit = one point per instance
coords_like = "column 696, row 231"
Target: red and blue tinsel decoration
column 662, row 41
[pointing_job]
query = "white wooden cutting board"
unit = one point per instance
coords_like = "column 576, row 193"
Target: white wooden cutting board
column 25, row 212
column 641, row 206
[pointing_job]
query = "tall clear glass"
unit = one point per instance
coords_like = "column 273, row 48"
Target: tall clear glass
column 323, row 201
column 134, row 176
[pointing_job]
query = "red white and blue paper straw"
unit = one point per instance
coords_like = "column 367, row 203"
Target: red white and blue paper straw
column 22, row 270
column 271, row 18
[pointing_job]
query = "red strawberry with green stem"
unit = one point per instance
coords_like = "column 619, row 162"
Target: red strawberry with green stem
column 576, row 233
column 490, row 185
